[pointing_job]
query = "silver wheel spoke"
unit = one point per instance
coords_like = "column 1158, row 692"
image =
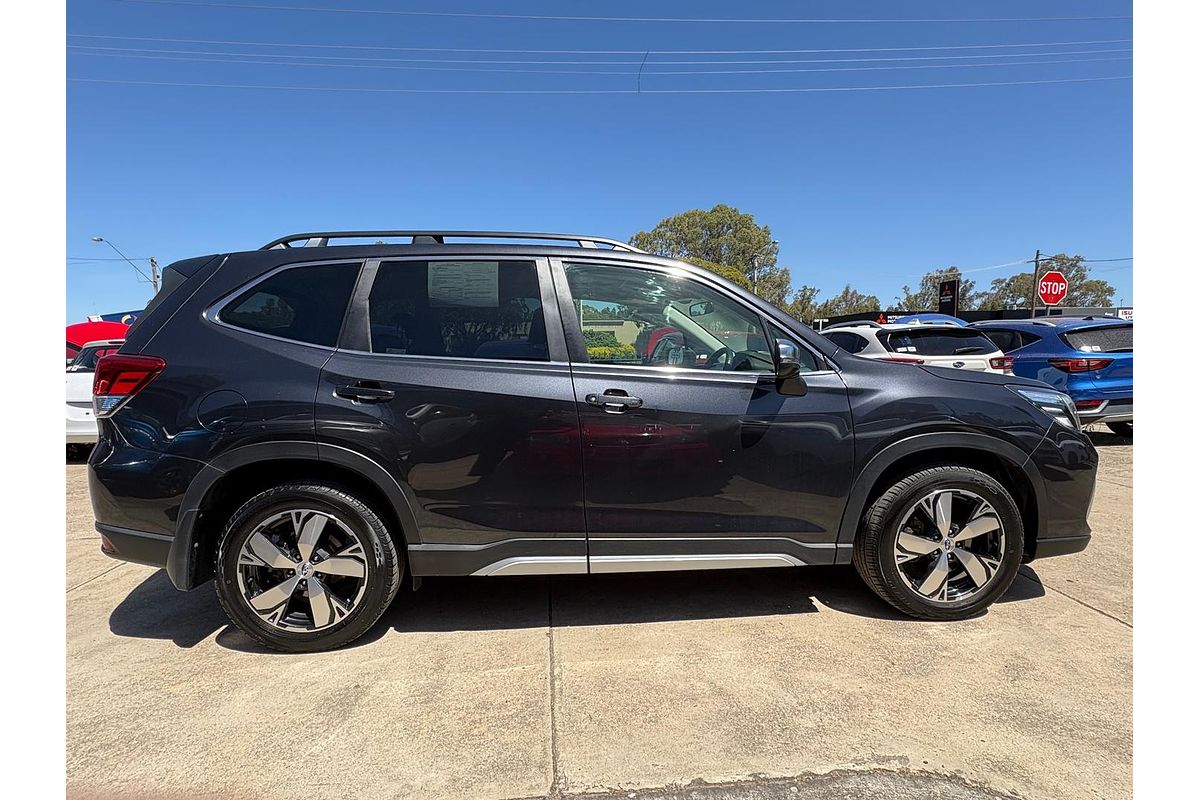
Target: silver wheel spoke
column 274, row 598
column 911, row 547
column 349, row 562
column 936, row 579
column 979, row 568
column 979, row 526
column 309, row 533
column 259, row 551
column 326, row 607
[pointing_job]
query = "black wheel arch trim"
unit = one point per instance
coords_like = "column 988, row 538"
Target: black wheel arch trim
column 183, row 547
column 864, row 482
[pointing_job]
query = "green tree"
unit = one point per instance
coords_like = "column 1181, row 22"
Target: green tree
column 925, row 298
column 722, row 237
column 731, row 274
column 848, row 301
column 803, row 303
column 1016, row 291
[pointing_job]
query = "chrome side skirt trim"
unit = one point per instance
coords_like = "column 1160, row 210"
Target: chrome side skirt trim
column 684, row 562
column 537, row 565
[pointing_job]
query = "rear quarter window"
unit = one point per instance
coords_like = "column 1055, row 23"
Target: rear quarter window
column 850, row 342
column 938, row 342
column 304, row 304
column 1116, row 339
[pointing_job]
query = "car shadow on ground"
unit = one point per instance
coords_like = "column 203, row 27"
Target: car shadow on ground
column 1103, row 437
column 156, row 610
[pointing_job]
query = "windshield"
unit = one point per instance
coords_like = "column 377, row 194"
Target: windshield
column 88, row 356
column 938, row 342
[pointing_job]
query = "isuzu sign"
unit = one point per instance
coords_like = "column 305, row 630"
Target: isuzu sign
column 1052, row 288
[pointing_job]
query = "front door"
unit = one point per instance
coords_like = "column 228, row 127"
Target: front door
column 449, row 378
column 692, row 456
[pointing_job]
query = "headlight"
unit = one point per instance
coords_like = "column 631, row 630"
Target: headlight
column 1057, row 405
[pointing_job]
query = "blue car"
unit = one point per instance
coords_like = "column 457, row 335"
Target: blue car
column 1089, row 358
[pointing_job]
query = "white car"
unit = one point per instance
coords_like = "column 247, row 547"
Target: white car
column 81, row 424
column 936, row 344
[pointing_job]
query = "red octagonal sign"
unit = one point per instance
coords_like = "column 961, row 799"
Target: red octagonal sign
column 1052, row 288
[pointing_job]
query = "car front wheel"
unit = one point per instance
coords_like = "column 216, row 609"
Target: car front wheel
column 305, row 567
column 941, row 544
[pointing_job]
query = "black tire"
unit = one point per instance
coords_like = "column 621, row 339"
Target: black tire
column 385, row 565
column 1121, row 428
column 874, row 547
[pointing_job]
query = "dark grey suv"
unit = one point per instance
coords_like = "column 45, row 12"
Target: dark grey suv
column 312, row 424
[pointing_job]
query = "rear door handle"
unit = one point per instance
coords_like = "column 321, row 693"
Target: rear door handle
column 364, row 394
column 614, row 401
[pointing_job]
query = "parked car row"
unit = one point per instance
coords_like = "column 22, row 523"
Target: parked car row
column 1088, row 358
column 81, row 420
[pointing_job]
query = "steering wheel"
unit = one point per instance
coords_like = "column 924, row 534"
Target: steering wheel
column 718, row 354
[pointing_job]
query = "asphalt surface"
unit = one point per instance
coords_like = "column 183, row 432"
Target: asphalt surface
column 706, row 686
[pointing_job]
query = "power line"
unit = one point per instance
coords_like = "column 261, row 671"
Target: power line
column 428, row 68
column 787, row 90
column 609, row 62
column 567, row 18
column 593, row 52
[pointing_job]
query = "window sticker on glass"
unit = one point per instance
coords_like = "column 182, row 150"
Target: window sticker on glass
column 464, row 284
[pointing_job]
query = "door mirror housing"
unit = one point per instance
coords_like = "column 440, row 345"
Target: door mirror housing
column 700, row 309
column 788, row 380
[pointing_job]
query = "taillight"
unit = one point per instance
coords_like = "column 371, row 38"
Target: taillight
column 903, row 360
column 1080, row 364
column 1087, row 405
column 119, row 377
column 1003, row 363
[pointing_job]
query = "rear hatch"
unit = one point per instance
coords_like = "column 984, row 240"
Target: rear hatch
column 956, row 348
column 1112, row 344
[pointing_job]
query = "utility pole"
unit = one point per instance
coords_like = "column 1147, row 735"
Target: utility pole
column 154, row 274
column 1037, row 266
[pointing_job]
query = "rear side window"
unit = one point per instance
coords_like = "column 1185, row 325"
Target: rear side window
column 305, row 304
column 458, row 309
column 1007, row 341
column 938, row 342
column 850, row 342
column 1117, row 339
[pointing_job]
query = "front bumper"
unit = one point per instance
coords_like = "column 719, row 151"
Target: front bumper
column 1067, row 462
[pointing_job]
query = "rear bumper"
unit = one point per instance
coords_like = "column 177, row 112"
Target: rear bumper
column 1109, row 411
column 81, row 425
column 139, row 547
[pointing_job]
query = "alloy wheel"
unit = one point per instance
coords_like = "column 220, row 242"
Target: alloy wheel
column 950, row 545
column 302, row 570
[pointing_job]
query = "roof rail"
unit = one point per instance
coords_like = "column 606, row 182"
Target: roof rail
column 857, row 323
column 321, row 238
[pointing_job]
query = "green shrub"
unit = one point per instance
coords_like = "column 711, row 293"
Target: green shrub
column 622, row 352
column 594, row 338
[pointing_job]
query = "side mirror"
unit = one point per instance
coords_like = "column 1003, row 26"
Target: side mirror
column 700, row 309
column 788, row 380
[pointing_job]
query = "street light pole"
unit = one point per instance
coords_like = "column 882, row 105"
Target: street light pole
column 152, row 277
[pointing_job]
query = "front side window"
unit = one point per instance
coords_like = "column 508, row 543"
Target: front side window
column 305, row 304
column 639, row 317
column 458, row 309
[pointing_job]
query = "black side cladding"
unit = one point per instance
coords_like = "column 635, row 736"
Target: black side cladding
column 192, row 273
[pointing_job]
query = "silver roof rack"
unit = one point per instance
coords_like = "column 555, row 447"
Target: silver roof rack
column 322, row 238
column 854, row 323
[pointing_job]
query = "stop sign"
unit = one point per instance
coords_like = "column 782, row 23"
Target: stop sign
column 1052, row 288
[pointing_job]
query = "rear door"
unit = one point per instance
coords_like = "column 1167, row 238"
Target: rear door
column 692, row 457
column 452, row 376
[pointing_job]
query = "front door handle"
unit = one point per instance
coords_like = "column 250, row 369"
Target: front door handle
column 614, row 401
column 364, row 394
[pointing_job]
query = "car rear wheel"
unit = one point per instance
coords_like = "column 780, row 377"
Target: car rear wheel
column 941, row 544
column 1121, row 428
column 305, row 567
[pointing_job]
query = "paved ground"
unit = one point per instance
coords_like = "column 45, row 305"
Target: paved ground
column 753, row 684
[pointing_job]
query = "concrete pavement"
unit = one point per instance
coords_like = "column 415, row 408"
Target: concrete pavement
column 746, row 684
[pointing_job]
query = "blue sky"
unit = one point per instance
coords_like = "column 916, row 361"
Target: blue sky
column 870, row 187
